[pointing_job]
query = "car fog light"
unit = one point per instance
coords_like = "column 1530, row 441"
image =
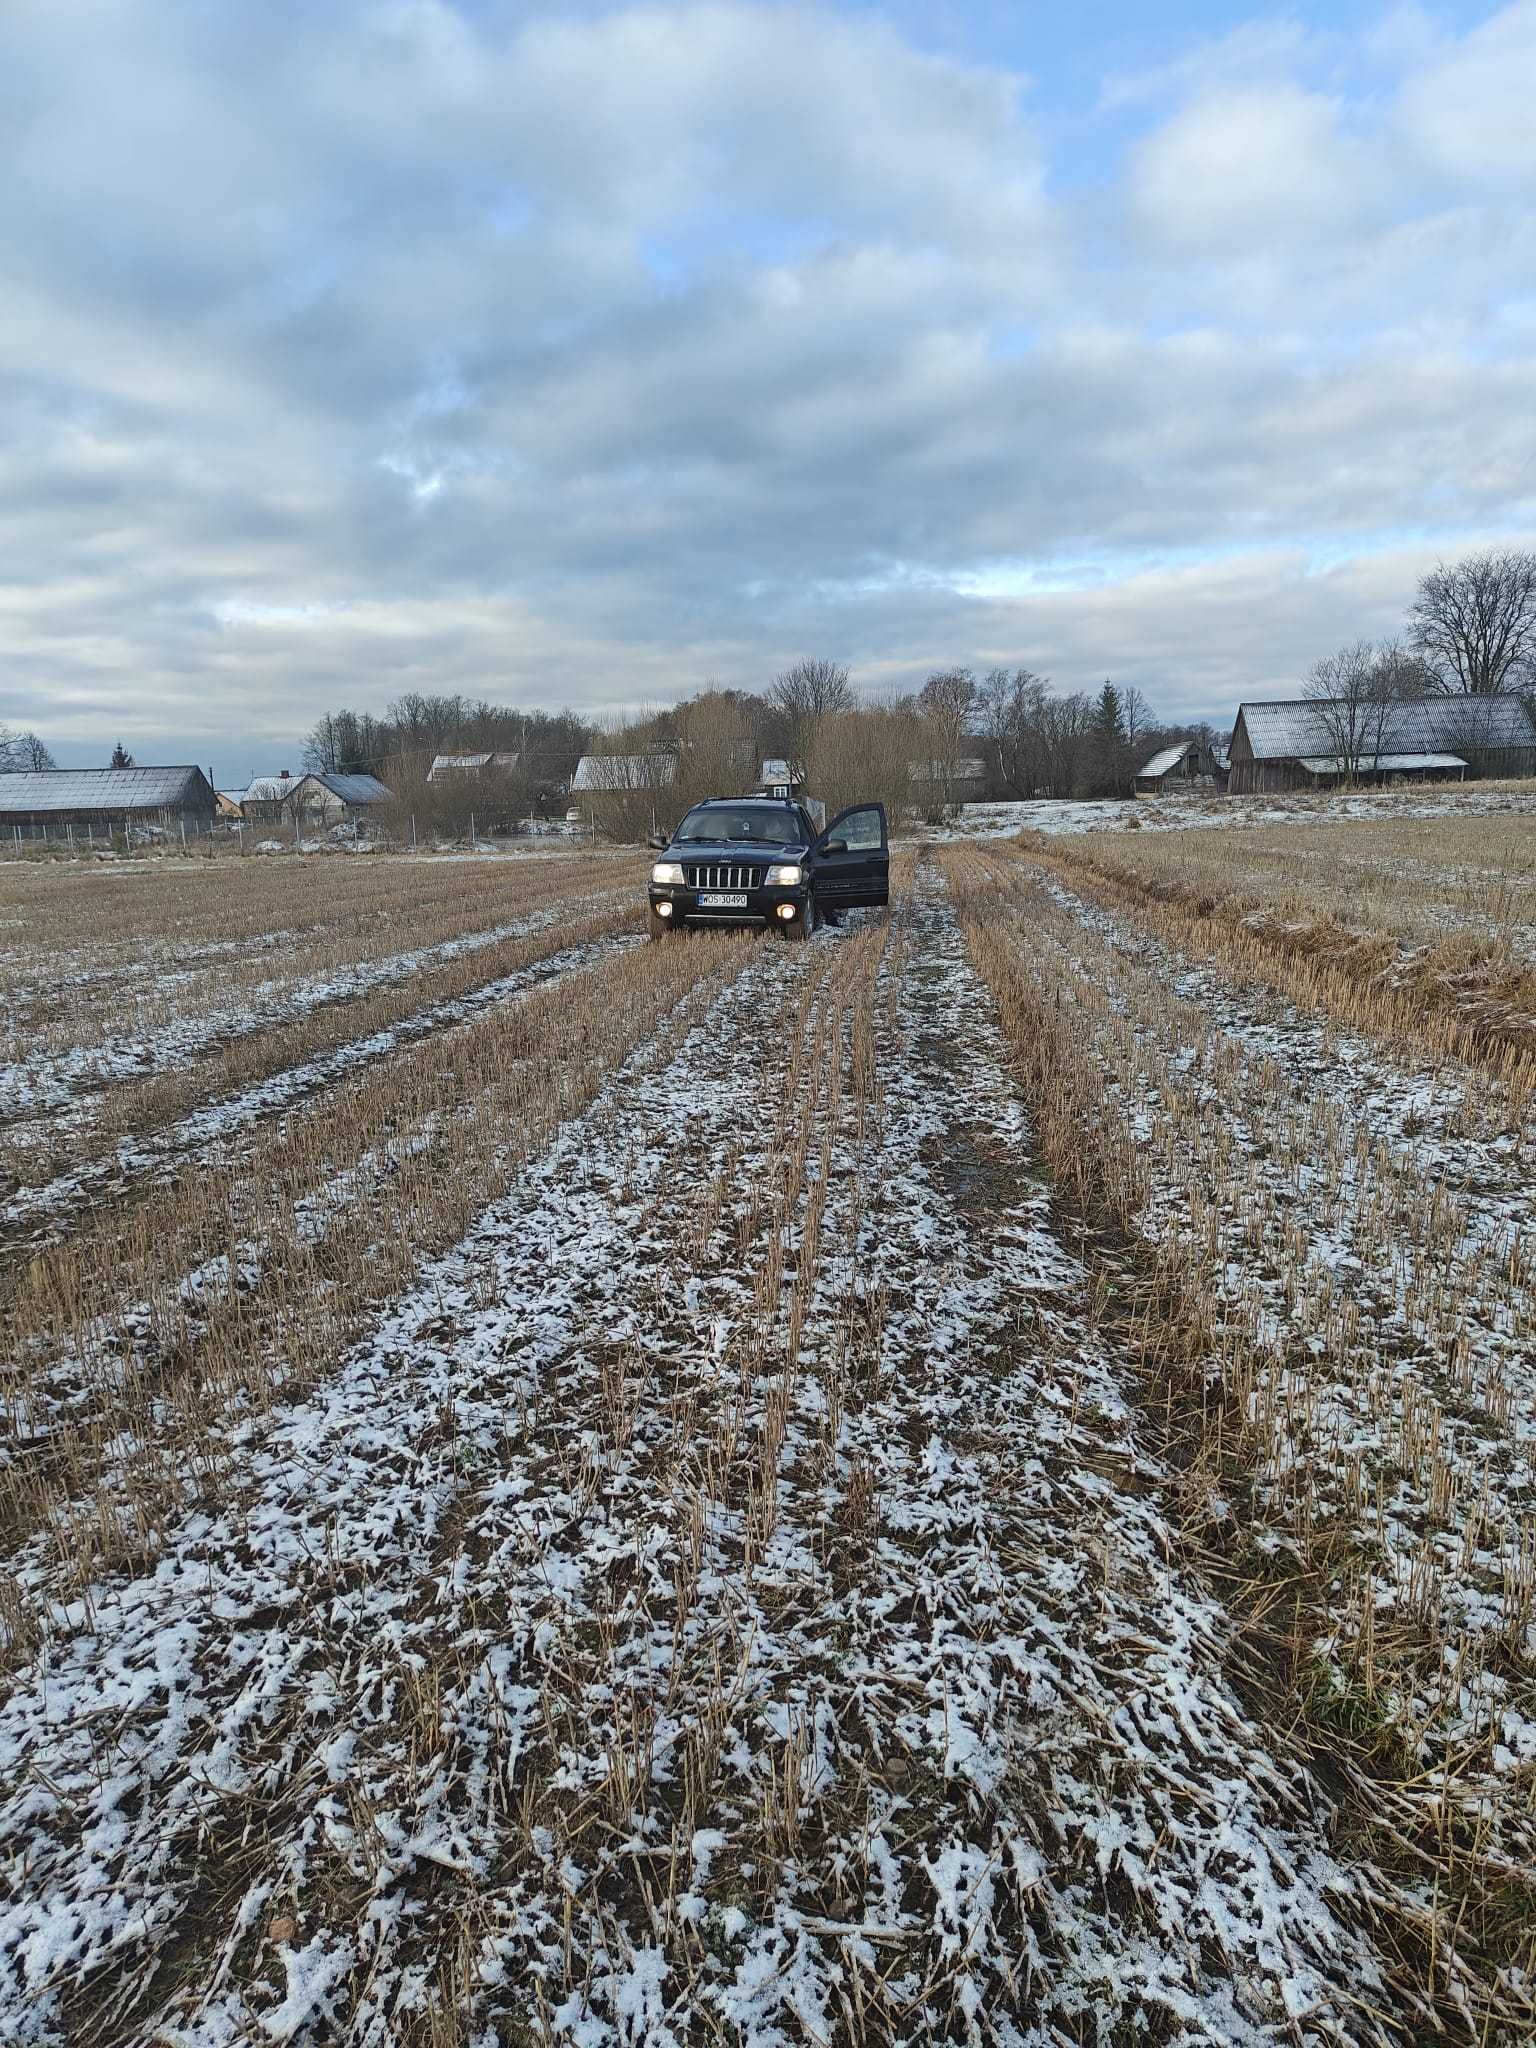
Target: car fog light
column 786, row 911
column 663, row 910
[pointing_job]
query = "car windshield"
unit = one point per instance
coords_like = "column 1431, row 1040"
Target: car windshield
column 767, row 824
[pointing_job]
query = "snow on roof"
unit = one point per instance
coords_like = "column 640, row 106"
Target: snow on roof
column 269, row 789
column 467, row 764
column 354, row 789
column 1170, row 757
column 1396, row 764
column 98, row 789
column 1298, row 727
column 624, row 771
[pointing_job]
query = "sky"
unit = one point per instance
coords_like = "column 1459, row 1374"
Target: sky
column 583, row 355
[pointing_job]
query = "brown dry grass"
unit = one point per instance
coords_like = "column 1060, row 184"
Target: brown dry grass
column 1298, row 1448
column 104, row 1344
column 1427, row 952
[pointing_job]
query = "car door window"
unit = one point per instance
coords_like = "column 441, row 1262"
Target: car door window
column 861, row 831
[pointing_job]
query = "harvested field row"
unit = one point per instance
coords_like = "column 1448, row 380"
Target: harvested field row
column 729, row 1596
column 84, row 1039
column 1467, row 998
column 62, row 926
column 114, row 1139
column 1335, row 1304
column 138, row 1352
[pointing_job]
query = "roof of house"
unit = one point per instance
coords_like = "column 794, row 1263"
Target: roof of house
column 1160, row 763
column 1299, row 728
column 98, row 789
column 624, row 771
column 269, row 789
column 1394, row 764
column 467, row 764
column 354, row 789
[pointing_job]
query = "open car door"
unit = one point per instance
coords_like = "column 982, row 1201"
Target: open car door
column 851, row 861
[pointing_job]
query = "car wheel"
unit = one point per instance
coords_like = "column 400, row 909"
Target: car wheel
column 799, row 929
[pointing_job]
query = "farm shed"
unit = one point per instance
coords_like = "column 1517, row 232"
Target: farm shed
column 229, row 802
column 445, row 767
column 56, row 799
column 1185, row 769
column 1300, row 744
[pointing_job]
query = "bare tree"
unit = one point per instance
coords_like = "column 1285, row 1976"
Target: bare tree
column 1347, row 693
column 1403, row 674
column 946, row 705
column 22, row 750
column 1475, row 622
column 1011, row 708
column 866, row 755
column 803, row 696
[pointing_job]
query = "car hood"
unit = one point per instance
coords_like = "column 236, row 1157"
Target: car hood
column 738, row 850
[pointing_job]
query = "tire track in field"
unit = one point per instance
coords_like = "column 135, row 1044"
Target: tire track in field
column 35, row 1218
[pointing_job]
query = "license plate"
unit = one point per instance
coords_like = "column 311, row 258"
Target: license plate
column 718, row 902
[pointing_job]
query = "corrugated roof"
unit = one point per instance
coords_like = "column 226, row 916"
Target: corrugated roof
column 1170, row 757
column 98, row 789
column 1391, row 764
column 355, row 789
column 467, row 764
column 1297, row 727
column 624, row 771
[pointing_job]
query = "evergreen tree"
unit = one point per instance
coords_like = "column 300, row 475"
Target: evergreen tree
column 121, row 758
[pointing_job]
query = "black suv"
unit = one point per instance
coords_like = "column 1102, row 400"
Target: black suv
column 760, row 860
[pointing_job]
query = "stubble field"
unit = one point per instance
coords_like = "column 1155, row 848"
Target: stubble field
column 969, row 1481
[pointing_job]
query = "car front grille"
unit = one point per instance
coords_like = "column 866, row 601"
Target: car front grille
column 699, row 876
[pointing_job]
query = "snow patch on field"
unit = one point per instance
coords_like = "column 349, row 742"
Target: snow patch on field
column 687, row 1606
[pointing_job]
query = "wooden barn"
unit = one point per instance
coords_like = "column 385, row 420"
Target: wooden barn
column 1300, row 743
column 1186, row 769
column 102, row 799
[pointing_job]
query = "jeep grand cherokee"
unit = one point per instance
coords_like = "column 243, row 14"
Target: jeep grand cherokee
column 760, row 860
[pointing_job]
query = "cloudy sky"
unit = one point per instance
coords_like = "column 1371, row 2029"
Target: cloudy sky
column 579, row 354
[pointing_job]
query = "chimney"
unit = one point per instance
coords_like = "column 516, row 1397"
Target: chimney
column 284, row 776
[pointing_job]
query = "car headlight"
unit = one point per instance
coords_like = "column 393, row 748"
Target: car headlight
column 668, row 871
column 786, row 876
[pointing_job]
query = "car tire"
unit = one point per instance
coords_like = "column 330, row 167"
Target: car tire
column 799, row 929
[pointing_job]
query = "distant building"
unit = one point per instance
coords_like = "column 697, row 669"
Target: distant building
column 1186, row 769
column 334, row 799
column 268, row 799
column 1300, row 743
column 101, row 798
column 446, row 767
column 611, row 774
column 229, row 801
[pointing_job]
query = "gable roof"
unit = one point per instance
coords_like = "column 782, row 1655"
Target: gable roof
column 101, row 789
column 624, row 771
column 1160, row 763
column 354, row 789
column 1297, row 727
column 270, row 789
column 467, row 764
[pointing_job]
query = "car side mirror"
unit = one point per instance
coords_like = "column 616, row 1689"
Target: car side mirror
column 835, row 846
column 656, row 839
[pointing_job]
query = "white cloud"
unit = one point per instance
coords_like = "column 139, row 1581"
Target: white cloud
column 589, row 354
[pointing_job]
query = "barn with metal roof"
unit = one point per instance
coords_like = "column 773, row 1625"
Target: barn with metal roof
column 1298, row 743
column 54, row 798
